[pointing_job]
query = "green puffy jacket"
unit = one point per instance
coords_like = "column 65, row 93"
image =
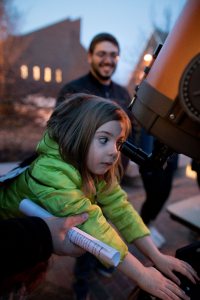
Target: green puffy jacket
column 56, row 186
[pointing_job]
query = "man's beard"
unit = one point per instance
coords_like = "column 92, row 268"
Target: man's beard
column 99, row 75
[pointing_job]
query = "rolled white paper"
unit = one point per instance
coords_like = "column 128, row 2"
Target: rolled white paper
column 101, row 250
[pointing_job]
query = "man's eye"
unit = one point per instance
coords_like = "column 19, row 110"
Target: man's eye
column 103, row 140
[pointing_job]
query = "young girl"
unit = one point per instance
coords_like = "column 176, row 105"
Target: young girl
column 77, row 170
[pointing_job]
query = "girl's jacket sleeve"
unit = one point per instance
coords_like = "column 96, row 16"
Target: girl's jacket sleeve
column 56, row 186
column 121, row 213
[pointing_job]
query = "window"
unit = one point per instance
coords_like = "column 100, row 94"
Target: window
column 47, row 74
column 36, row 73
column 24, row 71
column 58, row 75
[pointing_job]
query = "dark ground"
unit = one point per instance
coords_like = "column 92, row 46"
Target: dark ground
column 21, row 129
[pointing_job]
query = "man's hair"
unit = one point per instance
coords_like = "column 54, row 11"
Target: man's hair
column 73, row 125
column 102, row 37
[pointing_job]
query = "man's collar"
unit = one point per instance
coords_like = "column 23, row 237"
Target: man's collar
column 97, row 82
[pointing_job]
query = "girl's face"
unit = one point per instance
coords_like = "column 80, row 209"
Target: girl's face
column 104, row 148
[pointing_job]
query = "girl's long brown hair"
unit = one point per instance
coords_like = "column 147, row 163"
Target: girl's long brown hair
column 73, row 125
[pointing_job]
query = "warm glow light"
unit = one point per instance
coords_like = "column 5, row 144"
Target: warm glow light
column 148, row 57
column 24, row 71
column 190, row 173
column 58, row 75
column 36, row 73
column 47, row 74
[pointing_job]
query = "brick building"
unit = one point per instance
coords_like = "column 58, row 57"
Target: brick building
column 41, row 62
column 158, row 37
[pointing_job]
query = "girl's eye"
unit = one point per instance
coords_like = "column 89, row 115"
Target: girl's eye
column 103, row 140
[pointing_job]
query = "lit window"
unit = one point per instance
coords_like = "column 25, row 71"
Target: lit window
column 36, row 73
column 58, row 75
column 24, row 71
column 141, row 75
column 47, row 74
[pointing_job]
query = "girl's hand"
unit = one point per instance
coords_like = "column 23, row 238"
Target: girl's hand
column 167, row 264
column 157, row 285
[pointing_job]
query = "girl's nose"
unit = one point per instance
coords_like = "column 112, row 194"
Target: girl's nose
column 114, row 151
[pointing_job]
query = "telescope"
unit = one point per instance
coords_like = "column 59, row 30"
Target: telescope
column 167, row 101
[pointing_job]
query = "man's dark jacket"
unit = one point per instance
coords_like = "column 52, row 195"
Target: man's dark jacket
column 90, row 85
column 25, row 242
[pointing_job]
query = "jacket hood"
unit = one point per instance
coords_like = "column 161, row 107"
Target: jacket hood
column 48, row 146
